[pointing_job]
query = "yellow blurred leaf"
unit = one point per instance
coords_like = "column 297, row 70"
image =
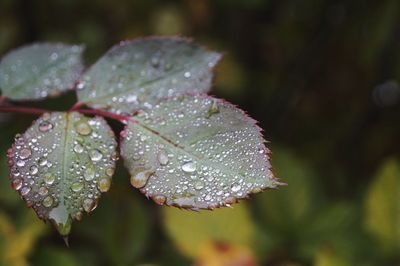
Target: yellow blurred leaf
column 383, row 207
column 192, row 230
column 217, row 254
column 17, row 243
column 326, row 257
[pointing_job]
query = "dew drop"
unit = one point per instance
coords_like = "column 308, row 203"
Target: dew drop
column 49, row 178
column 25, row 191
column 96, row 155
column 42, row 161
column 78, row 148
column 17, row 184
column 89, row 173
column 89, row 205
column 230, row 200
column 159, row 199
column 155, row 62
column 110, row 172
column 25, row 154
column 187, row 74
column 20, row 163
column 45, row 126
column 77, row 186
column 189, row 167
column 235, row 187
column 199, row 185
column 104, row 184
column 43, row 191
column 48, row 201
column 33, row 170
column 83, row 128
column 162, row 158
column 140, row 177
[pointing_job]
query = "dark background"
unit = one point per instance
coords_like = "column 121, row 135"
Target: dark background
column 320, row 76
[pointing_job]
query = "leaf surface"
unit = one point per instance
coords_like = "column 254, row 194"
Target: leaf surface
column 40, row 70
column 196, row 152
column 61, row 164
column 136, row 75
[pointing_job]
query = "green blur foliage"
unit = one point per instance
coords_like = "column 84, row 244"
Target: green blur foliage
column 311, row 72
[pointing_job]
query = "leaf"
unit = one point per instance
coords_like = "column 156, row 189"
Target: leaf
column 196, row 152
column 294, row 207
column 327, row 257
column 61, row 164
column 193, row 232
column 135, row 75
column 383, row 208
column 18, row 238
column 40, row 70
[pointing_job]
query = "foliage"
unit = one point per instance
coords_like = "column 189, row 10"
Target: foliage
column 322, row 77
column 190, row 150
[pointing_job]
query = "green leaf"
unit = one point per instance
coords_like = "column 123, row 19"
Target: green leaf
column 196, row 152
column 40, row 70
column 383, row 207
column 61, row 164
column 191, row 232
column 136, row 75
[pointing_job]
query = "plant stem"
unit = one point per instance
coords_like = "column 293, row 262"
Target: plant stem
column 76, row 107
column 120, row 118
column 23, row 110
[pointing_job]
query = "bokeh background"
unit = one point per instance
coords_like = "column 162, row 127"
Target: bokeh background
column 320, row 76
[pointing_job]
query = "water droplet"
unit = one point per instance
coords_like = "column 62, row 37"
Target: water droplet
column 25, row 191
column 159, row 199
column 48, row 201
column 256, row 190
column 78, row 148
column 235, row 187
column 168, row 66
column 189, row 167
column 110, row 172
column 104, row 184
column 43, row 191
column 96, row 155
column 89, row 173
column 20, row 163
column 25, row 154
column 230, row 200
column 45, row 126
column 140, row 177
column 187, row 74
column 89, row 205
column 155, row 62
column 214, row 109
column 49, row 178
column 33, row 170
column 77, row 186
column 199, row 185
column 17, row 184
column 83, row 128
column 162, row 158
column 42, row 161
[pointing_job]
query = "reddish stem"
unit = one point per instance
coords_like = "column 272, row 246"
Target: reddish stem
column 76, row 107
column 23, row 110
column 120, row 118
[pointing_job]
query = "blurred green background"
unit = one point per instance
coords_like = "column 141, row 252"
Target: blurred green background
column 321, row 76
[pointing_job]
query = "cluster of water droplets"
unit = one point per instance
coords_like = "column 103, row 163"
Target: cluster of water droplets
column 62, row 163
column 40, row 70
column 196, row 152
column 135, row 75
